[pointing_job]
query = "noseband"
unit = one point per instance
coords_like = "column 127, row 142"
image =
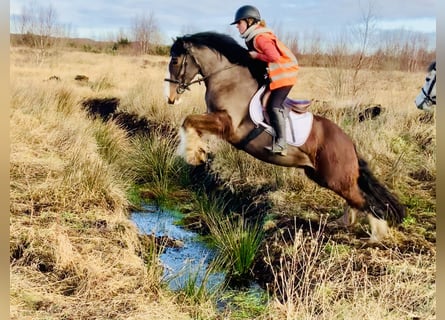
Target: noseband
column 182, row 84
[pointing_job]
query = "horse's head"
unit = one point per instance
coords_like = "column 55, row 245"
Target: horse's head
column 427, row 96
column 182, row 68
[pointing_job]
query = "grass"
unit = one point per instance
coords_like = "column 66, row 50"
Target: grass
column 317, row 279
column 236, row 239
column 75, row 254
column 155, row 165
column 237, row 242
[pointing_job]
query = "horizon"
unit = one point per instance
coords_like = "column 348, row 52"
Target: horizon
column 107, row 20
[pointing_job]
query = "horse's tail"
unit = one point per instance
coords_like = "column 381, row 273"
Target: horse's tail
column 379, row 200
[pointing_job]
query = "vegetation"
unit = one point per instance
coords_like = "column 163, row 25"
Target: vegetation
column 237, row 242
column 75, row 254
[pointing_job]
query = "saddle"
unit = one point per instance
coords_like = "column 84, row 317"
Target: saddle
column 299, row 124
column 298, row 106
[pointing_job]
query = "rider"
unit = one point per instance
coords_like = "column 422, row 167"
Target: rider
column 282, row 68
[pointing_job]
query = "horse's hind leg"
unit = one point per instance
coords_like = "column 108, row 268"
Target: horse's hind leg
column 348, row 219
column 354, row 209
column 348, row 189
column 379, row 228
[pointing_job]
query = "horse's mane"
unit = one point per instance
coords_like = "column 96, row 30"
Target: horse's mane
column 225, row 45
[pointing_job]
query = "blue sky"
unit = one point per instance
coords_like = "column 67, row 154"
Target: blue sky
column 101, row 19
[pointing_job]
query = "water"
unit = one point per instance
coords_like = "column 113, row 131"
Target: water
column 180, row 264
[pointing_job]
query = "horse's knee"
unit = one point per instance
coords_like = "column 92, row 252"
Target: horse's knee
column 191, row 147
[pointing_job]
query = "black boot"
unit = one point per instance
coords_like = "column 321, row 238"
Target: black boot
column 278, row 121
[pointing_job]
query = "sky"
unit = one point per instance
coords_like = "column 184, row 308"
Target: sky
column 103, row 19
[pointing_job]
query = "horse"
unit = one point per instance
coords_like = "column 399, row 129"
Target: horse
column 328, row 155
column 427, row 95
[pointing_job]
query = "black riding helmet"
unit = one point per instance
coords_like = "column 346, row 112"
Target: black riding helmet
column 245, row 12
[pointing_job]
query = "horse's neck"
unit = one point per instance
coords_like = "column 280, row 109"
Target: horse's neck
column 212, row 64
column 229, row 87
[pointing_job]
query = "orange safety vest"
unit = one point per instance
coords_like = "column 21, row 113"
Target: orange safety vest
column 284, row 72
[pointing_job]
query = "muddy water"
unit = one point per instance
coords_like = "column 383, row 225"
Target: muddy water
column 188, row 261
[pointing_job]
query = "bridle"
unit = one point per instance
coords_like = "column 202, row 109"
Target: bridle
column 182, row 84
column 428, row 99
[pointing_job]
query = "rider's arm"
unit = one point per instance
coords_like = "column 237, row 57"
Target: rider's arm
column 267, row 50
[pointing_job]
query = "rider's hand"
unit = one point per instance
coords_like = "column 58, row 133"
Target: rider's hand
column 253, row 54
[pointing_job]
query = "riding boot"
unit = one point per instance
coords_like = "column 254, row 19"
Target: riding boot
column 278, row 121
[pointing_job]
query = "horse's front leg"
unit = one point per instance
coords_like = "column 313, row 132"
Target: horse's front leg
column 192, row 147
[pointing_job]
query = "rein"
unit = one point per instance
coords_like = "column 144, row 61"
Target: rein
column 182, row 85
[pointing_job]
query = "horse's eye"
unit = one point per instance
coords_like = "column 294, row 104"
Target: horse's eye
column 427, row 79
column 174, row 60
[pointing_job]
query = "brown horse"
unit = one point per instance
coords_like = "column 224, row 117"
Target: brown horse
column 232, row 78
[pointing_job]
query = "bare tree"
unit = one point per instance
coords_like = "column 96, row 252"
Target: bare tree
column 313, row 47
column 404, row 50
column 188, row 29
column 363, row 32
column 145, row 32
column 39, row 28
column 292, row 41
column 338, row 62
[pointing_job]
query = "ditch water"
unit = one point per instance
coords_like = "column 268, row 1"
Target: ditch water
column 181, row 264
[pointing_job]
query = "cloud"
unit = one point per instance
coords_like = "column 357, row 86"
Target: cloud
column 101, row 17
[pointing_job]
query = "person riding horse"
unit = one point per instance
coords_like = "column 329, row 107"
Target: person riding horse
column 282, row 67
column 327, row 154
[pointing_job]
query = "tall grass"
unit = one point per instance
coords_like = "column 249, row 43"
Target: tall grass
column 156, row 165
column 236, row 239
column 317, row 279
column 73, row 251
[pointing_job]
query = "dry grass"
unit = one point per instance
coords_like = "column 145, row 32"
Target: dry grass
column 74, row 252
column 318, row 279
column 76, row 255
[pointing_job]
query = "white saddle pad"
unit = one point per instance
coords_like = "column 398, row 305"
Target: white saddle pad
column 297, row 131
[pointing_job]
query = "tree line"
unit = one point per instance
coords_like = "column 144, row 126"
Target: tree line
column 364, row 47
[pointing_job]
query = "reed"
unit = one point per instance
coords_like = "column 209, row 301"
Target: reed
column 156, row 166
column 237, row 242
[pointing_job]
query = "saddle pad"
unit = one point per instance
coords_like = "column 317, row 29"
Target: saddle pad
column 298, row 126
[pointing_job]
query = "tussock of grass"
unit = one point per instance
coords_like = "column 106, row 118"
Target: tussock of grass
column 156, row 166
column 237, row 242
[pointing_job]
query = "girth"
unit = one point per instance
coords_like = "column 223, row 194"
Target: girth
column 255, row 132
